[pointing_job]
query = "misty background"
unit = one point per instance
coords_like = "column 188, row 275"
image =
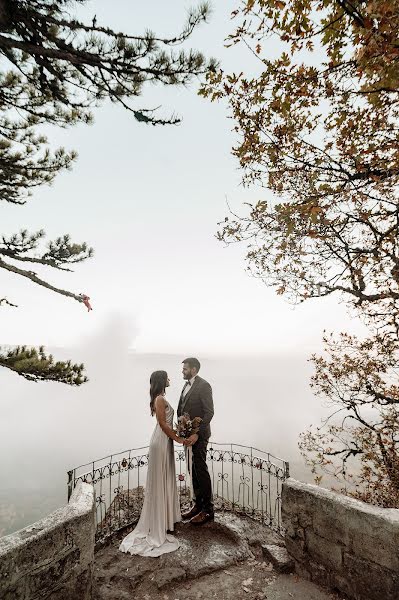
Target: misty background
column 47, row 428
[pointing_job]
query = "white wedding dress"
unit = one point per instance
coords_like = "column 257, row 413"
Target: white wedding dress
column 161, row 508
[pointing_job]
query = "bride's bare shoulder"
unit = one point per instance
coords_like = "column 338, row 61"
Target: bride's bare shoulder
column 160, row 400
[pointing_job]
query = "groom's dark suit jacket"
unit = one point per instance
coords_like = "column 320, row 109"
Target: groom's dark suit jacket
column 198, row 402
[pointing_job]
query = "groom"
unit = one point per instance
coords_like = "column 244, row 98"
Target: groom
column 196, row 400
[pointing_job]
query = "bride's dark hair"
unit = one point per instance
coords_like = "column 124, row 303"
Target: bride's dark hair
column 158, row 382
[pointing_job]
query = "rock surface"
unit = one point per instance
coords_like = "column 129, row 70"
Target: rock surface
column 279, row 558
column 221, row 560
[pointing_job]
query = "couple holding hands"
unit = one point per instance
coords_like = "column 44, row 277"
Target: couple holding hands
column 161, row 509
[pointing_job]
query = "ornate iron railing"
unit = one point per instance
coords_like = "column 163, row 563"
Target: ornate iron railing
column 244, row 480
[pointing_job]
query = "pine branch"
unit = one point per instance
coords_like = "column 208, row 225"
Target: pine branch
column 57, row 68
column 35, row 365
column 195, row 17
column 60, row 252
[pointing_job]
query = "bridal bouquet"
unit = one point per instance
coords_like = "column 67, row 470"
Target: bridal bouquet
column 185, row 427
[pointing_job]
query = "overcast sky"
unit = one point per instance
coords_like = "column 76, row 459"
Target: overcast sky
column 148, row 200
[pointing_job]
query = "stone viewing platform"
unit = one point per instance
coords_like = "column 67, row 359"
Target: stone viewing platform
column 229, row 559
column 273, row 538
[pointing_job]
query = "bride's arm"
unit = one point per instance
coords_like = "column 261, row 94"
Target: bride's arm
column 160, row 412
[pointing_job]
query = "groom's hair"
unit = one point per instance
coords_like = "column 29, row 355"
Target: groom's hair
column 193, row 363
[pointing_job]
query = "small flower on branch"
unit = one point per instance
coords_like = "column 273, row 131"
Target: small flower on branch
column 86, row 302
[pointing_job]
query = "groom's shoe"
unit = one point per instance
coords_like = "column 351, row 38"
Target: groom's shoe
column 202, row 518
column 191, row 513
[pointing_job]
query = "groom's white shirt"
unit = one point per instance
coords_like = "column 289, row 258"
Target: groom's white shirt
column 188, row 387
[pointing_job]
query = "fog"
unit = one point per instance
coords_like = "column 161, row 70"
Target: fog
column 48, row 428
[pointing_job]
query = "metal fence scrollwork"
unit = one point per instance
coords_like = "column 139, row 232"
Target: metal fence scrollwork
column 244, row 480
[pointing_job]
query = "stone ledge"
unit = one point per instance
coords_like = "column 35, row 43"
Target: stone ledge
column 371, row 531
column 322, row 550
column 300, row 489
column 342, row 542
column 53, row 556
column 81, row 502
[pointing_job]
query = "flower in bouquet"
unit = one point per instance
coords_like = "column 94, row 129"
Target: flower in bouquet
column 186, row 427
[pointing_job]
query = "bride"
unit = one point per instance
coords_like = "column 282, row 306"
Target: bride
column 161, row 508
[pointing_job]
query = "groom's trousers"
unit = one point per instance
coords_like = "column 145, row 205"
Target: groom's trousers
column 201, row 479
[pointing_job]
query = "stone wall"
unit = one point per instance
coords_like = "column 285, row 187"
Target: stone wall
column 342, row 543
column 52, row 558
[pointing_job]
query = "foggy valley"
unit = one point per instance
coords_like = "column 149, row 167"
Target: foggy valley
column 47, row 428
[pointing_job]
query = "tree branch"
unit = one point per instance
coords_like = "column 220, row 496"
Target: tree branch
column 7, row 302
column 35, row 279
